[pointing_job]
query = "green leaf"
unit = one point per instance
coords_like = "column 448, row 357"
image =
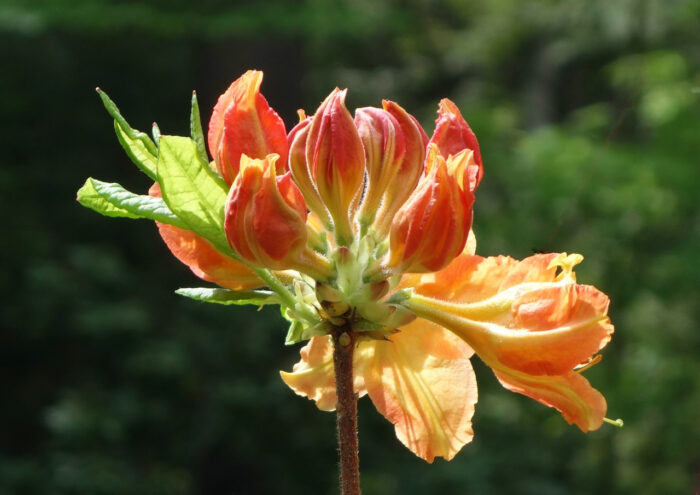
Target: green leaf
column 138, row 145
column 137, row 151
column 192, row 190
column 196, row 129
column 112, row 200
column 228, row 297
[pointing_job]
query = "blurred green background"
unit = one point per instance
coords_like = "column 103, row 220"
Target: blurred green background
column 589, row 123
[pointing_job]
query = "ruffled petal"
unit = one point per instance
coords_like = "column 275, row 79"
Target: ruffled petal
column 313, row 375
column 470, row 278
column 528, row 320
column 422, row 381
column 570, row 394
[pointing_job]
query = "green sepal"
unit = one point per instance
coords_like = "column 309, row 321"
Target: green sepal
column 228, row 297
column 400, row 296
column 112, row 200
column 298, row 331
column 294, row 334
column 196, row 129
column 363, row 325
column 138, row 146
column 192, row 190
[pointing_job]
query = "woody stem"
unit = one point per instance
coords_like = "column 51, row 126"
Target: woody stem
column 346, row 410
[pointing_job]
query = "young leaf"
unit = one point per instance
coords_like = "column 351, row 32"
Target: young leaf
column 138, row 145
column 228, row 297
column 192, row 190
column 112, row 200
column 116, row 115
column 137, row 151
column 155, row 131
column 196, row 129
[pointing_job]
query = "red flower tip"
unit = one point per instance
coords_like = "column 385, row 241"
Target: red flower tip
column 243, row 122
column 453, row 134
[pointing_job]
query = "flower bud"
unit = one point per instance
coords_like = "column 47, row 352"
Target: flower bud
column 300, row 171
column 432, row 227
column 265, row 215
column 336, row 162
column 243, row 122
column 406, row 175
column 453, row 134
column 385, row 147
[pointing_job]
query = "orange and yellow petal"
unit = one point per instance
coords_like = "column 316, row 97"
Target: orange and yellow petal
column 532, row 325
column 313, row 376
column 470, row 278
column 243, row 123
column 452, row 134
column 422, row 381
column 570, row 394
column 202, row 258
column 205, row 261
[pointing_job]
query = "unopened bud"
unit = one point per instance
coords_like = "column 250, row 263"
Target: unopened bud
column 243, row 123
column 265, row 215
column 336, row 162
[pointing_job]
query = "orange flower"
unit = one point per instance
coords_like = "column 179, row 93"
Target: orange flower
column 398, row 247
column 532, row 326
column 362, row 229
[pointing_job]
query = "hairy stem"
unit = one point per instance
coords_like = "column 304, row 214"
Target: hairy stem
column 346, row 410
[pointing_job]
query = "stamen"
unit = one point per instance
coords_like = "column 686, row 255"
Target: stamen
column 588, row 364
column 615, row 422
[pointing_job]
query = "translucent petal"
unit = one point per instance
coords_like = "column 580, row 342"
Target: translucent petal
column 422, row 381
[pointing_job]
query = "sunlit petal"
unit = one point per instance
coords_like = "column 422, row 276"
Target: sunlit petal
column 313, row 376
column 531, row 324
column 422, row 381
column 570, row 394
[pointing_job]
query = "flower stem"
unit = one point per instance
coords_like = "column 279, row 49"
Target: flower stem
column 346, row 410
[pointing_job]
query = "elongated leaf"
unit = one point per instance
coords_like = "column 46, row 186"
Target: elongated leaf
column 137, row 144
column 228, row 297
column 192, row 190
column 196, row 128
column 137, row 151
column 112, row 200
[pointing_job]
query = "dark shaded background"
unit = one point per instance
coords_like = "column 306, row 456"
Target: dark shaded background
column 588, row 117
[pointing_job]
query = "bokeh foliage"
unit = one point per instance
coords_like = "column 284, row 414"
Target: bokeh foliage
column 588, row 117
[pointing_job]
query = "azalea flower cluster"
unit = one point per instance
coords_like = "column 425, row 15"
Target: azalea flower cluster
column 364, row 223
